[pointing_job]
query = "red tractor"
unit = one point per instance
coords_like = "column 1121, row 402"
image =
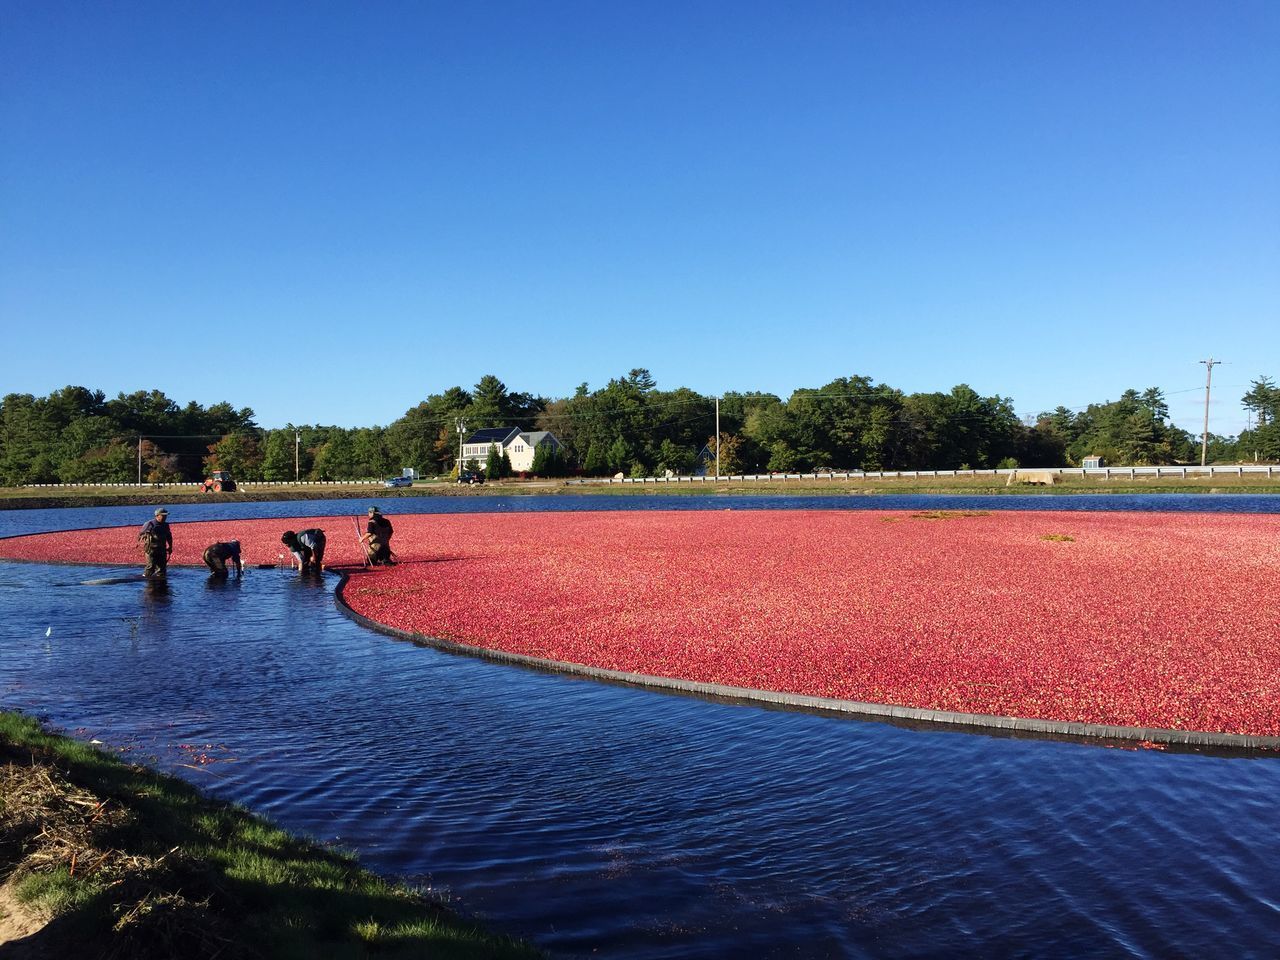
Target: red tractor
column 219, row 482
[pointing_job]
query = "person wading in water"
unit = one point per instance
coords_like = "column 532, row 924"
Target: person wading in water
column 307, row 547
column 156, row 541
column 216, row 556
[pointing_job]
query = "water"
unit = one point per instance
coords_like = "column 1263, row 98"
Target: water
column 630, row 823
column 14, row 522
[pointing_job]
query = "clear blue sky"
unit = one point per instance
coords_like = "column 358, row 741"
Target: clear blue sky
column 329, row 211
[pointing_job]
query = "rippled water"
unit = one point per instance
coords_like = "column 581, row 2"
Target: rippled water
column 630, row 823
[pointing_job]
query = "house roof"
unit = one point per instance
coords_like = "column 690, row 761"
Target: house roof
column 498, row 435
column 535, row 437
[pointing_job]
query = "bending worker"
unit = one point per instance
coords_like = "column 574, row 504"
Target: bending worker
column 216, row 556
column 156, row 541
column 377, row 539
column 307, row 547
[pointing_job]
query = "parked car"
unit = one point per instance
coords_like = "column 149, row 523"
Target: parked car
column 471, row 476
column 397, row 482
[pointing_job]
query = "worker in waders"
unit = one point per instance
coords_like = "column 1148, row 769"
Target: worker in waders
column 156, row 541
column 217, row 555
column 307, row 547
column 377, row 539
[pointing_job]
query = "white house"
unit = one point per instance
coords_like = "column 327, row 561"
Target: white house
column 517, row 445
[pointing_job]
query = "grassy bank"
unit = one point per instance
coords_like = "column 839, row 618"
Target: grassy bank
column 32, row 497
column 99, row 858
column 963, row 485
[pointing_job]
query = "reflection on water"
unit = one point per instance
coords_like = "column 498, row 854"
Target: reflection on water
column 629, row 823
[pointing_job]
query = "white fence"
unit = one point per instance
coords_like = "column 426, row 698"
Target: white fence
column 194, row 485
column 1104, row 473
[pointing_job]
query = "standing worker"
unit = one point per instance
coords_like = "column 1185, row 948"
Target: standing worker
column 307, row 547
column 216, row 556
column 377, row 539
column 156, row 541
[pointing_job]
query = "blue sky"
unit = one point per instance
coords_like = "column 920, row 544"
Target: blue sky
column 329, row 211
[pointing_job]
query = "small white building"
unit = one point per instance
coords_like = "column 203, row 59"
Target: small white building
column 519, row 446
column 1093, row 463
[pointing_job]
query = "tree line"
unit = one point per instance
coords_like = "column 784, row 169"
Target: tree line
column 629, row 426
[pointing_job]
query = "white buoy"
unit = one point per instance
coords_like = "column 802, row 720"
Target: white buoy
column 49, row 632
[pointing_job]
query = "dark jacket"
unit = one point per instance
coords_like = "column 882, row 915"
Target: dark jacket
column 225, row 551
column 159, row 533
column 311, row 538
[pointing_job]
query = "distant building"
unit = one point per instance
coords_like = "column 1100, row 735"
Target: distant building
column 1094, row 462
column 519, row 446
column 704, row 464
column 476, row 447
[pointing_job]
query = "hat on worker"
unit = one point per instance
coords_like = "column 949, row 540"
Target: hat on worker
column 373, row 510
column 161, row 512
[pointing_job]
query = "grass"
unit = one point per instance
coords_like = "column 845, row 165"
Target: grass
column 132, row 863
column 965, row 485
column 17, row 498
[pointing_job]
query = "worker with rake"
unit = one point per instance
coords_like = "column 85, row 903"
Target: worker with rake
column 377, row 539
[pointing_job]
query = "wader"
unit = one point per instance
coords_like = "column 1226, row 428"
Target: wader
column 157, row 563
column 214, row 562
column 155, row 550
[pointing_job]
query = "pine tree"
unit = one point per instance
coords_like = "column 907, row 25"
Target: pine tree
column 544, row 460
column 619, row 455
column 493, row 463
column 594, row 463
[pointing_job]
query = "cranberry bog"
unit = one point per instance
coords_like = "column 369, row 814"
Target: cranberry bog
column 1157, row 627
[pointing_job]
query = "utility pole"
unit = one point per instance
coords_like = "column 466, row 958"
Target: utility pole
column 139, row 461
column 462, row 432
column 1204, row 437
column 297, row 443
column 717, row 438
